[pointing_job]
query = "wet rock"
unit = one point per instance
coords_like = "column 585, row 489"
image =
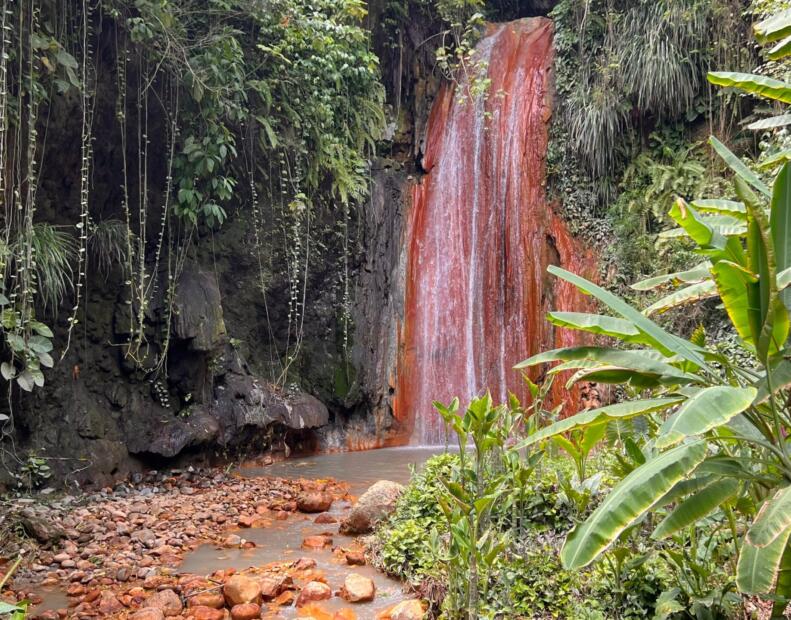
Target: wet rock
column 374, row 505
column 316, row 542
column 207, row 613
column 241, row 589
column 109, row 603
column 245, row 611
column 314, row 591
column 207, row 599
column 272, row 586
column 150, row 613
column 313, row 501
column 304, row 564
column 325, row 518
column 166, row 600
column 232, row 540
column 407, row 610
column 358, row 589
column 40, row 528
column 355, row 558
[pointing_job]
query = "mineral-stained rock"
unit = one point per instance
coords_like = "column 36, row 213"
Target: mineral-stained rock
column 314, row 591
column 40, row 528
column 358, row 589
column 207, row 599
column 166, row 600
column 241, row 589
column 374, row 505
column 313, row 501
column 150, row 613
column 206, row 613
column 407, row 610
column 245, row 611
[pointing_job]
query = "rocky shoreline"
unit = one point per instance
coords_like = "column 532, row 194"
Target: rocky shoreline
column 115, row 553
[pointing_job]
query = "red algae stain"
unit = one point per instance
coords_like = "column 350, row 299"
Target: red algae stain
column 480, row 235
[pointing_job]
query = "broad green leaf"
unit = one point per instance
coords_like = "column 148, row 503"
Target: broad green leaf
column 629, row 500
column 739, row 167
column 636, row 360
column 7, row 608
column 733, row 282
column 757, row 569
column 720, row 206
column 708, row 409
column 687, row 295
column 771, row 123
column 696, row 507
column 781, row 50
column 780, row 377
column 592, row 435
column 774, row 27
column 595, row 416
column 667, row 605
column 595, row 324
column 783, row 279
column 760, row 85
column 698, row 227
column 780, row 224
column 775, row 160
column 696, row 274
column 722, row 225
column 773, row 519
column 683, row 488
column 7, row 370
column 668, row 341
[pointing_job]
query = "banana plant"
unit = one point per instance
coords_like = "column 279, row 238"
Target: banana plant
column 722, row 428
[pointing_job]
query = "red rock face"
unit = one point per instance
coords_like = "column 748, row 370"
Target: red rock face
column 480, row 235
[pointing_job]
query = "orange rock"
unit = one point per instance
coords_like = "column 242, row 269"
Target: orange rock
column 325, row 517
column 285, row 598
column 316, row 542
column 149, row 613
column 358, row 589
column 314, row 591
column 314, row 501
column 206, row 613
column 207, row 599
column 166, row 600
column 245, row 611
column 355, row 558
column 246, row 521
column 241, row 589
column 109, row 603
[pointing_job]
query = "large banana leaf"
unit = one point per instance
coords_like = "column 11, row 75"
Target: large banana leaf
column 757, row 569
column 595, row 324
column 629, row 500
column 683, row 488
column 687, row 295
column 691, row 276
column 723, row 207
column 781, row 50
column 779, row 377
column 739, row 167
column 733, row 282
column 619, row 411
column 774, row 27
column 773, row 519
column 708, row 409
column 696, row 507
column 760, row 85
column 706, row 232
column 773, row 122
column 774, row 320
column 780, row 223
column 642, row 362
column 685, row 349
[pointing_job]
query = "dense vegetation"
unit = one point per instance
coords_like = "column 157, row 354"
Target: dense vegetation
column 673, row 502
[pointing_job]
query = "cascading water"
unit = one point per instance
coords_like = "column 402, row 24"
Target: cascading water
column 480, row 236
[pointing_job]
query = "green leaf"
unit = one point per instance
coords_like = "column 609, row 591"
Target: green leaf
column 774, row 27
column 666, row 340
column 687, row 295
column 8, row 371
column 722, row 207
column 756, row 571
column 41, row 329
column 595, row 324
column 7, row 608
column 780, row 224
column 771, row 123
column 709, row 408
column 629, row 500
column 772, row 520
column 625, row 410
column 733, row 282
column 739, row 167
column 696, row 507
column 759, row 85
column 667, row 605
column 697, row 274
column 781, row 50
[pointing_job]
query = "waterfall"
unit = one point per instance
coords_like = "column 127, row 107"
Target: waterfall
column 480, row 235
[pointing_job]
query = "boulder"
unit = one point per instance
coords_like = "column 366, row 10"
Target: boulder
column 316, row 542
column 165, row 600
column 245, row 611
column 241, row 589
column 314, row 591
column 373, row 506
column 407, row 610
column 207, row 599
column 358, row 589
column 313, row 501
column 40, row 528
column 207, row 613
column 148, row 613
column 198, row 310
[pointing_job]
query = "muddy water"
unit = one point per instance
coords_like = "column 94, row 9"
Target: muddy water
column 282, row 540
